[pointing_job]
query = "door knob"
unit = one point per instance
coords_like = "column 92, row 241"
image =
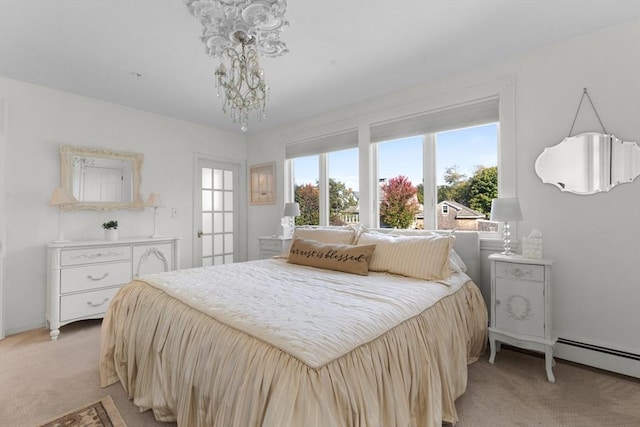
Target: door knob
column 200, row 233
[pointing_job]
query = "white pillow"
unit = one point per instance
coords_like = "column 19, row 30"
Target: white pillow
column 423, row 257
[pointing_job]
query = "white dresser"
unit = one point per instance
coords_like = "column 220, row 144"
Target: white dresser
column 521, row 306
column 83, row 276
column 273, row 245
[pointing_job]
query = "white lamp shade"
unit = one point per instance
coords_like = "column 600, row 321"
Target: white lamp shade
column 291, row 209
column 507, row 209
column 154, row 201
column 61, row 197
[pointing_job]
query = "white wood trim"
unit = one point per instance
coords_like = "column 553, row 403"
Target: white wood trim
column 3, row 204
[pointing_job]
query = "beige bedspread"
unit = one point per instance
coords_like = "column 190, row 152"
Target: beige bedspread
column 276, row 344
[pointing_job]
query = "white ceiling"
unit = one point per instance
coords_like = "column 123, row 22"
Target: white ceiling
column 341, row 51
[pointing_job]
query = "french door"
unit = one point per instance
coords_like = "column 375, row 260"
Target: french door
column 217, row 215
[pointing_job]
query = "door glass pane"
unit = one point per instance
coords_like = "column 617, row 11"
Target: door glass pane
column 217, row 223
column 228, row 180
column 218, row 249
column 217, row 200
column 399, row 175
column 206, row 246
column 206, row 178
column 206, row 200
column 218, row 260
column 307, row 194
column 206, row 261
column 228, row 222
column 217, row 179
column 228, row 201
column 228, row 259
column 207, row 226
column 228, row 243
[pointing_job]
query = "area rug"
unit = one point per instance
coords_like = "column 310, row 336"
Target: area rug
column 102, row 413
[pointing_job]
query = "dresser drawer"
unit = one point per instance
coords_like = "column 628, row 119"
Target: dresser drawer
column 271, row 245
column 94, row 276
column 507, row 270
column 92, row 255
column 86, row 304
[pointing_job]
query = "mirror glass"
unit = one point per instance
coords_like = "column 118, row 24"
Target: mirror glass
column 101, row 179
column 589, row 163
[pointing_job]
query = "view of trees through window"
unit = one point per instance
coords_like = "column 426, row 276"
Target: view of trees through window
column 465, row 161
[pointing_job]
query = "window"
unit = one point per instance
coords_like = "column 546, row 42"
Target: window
column 456, row 147
column 445, row 209
column 324, row 172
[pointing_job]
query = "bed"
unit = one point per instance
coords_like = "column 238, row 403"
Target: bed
column 282, row 343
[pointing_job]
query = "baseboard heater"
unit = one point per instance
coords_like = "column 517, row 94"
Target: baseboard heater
column 600, row 349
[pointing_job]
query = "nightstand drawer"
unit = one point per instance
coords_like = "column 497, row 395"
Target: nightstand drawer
column 272, row 245
column 95, row 276
column 86, row 304
column 507, row 270
column 91, row 255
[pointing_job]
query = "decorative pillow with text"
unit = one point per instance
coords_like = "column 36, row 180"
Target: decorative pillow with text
column 347, row 258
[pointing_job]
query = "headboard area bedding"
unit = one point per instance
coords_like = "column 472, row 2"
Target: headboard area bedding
column 277, row 343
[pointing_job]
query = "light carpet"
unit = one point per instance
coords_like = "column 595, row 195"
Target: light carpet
column 40, row 379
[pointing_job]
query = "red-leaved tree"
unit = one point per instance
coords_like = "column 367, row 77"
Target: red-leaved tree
column 399, row 204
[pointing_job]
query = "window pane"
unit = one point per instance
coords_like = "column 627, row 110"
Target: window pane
column 228, row 243
column 228, row 222
column 343, row 187
column 307, row 194
column 218, row 249
column 467, row 177
column 228, row 201
column 399, row 174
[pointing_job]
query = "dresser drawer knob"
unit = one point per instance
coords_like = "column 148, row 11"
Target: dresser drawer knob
column 95, row 279
column 98, row 304
column 498, row 302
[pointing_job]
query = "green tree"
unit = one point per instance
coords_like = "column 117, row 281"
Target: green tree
column 308, row 197
column 420, row 193
column 340, row 198
column 483, row 187
column 399, row 204
column 456, row 187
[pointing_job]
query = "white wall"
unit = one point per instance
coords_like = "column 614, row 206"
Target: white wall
column 39, row 121
column 593, row 239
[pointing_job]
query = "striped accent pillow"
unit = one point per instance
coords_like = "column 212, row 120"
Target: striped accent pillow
column 327, row 234
column 422, row 257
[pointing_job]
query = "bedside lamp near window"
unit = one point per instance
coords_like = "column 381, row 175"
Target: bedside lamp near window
column 507, row 209
column 61, row 198
column 154, row 202
column 291, row 210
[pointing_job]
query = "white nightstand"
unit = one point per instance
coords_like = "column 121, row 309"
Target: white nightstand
column 273, row 245
column 521, row 306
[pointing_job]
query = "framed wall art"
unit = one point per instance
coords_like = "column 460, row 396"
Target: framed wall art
column 262, row 184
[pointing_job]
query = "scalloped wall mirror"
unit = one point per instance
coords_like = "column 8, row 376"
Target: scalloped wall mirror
column 101, row 179
column 589, row 163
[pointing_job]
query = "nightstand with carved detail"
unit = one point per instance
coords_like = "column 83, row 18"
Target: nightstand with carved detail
column 521, row 306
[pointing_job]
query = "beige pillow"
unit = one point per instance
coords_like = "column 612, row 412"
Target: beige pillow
column 422, row 257
column 342, row 235
column 347, row 258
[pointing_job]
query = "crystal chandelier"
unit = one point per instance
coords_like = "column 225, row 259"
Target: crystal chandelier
column 240, row 30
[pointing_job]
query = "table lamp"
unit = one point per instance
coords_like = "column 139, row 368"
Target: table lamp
column 507, row 209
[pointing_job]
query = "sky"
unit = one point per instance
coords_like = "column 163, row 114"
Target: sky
column 465, row 148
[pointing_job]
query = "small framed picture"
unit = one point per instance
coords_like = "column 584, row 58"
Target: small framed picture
column 262, row 183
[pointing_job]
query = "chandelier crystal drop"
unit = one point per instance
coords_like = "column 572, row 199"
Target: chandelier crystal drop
column 237, row 31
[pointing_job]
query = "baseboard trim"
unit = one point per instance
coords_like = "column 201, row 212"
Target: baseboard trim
column 621, row 362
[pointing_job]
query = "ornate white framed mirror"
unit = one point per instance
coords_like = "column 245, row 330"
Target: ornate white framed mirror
column 101, row 179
